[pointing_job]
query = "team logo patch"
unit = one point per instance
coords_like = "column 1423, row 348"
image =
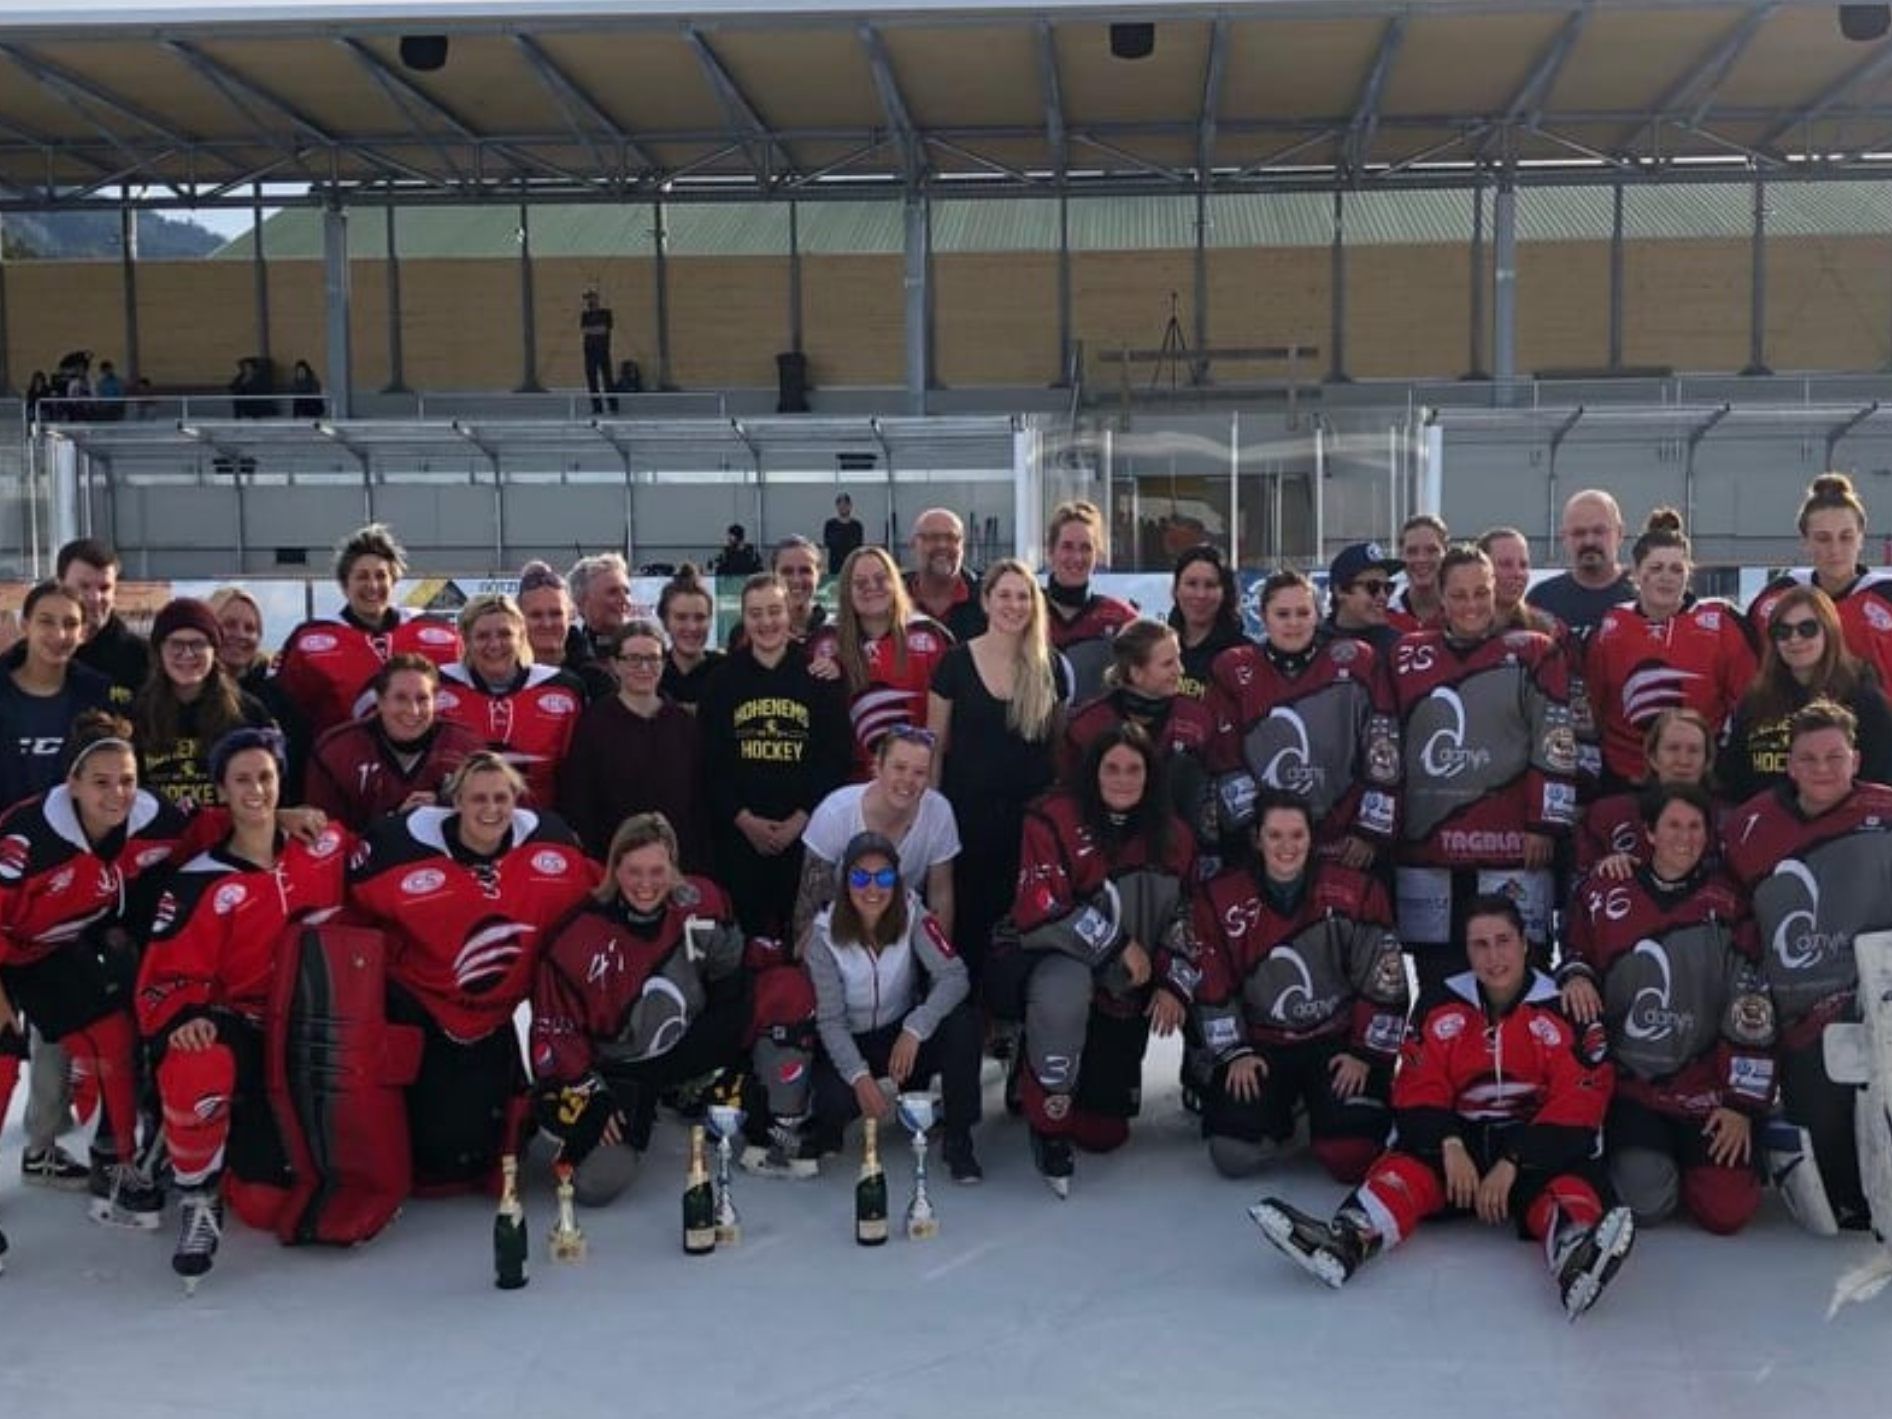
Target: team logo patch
column 1880, row 618
column 436, row 635
column 1544, row 1030
column 445, row 699
column 229, row 897
column 1219, row 1032
column 317, row 643
column 423, row 881
column 552, row 864
column 166, row 912
column 14, row 852
column 489, row 955
column 1057, row 1106
column 790, row 1071
column 558, row 702
column 152, row 856
column 1448, row 1027
column 685, row 895
column 327, row 844
column 62, row 879
column 1519, row 640
column 1343, row 652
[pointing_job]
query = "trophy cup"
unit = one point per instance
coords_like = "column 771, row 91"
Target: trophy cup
column 916, row 1113
column 725, row 1124
column 567, row 1243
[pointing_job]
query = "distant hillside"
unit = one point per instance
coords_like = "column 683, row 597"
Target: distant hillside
column 53, row 234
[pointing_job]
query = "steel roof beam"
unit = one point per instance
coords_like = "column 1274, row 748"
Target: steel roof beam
column 1858, row 77
column 1526, row 109
column 1699, row 82
column 893, row 103
column 1214, row 80
column 575, row 101
column 1366, row 111
column 399, row 93
column 759, row 140
column 1056, row 139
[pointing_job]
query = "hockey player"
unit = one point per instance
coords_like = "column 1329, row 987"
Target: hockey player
column 1678, row 747
column 468, row 892
column 1143, row 686
column 647, row 986
column 1815, row 857
column 1666, row 959
column 204, row 988
column 1103, row 952
column 1302, row 1001
column 1082, row 621
column 327, row 663
column 526, row 713
column 394, row 759
column 1833, row 533
column 1311, row 716
column 1488, row 762
column 882, row 651
column 1664, row 650
column 1497, row 1103
column 72, row 864
column 1419, row 605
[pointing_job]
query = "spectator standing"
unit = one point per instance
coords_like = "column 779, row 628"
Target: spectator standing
column 594, row 329
column 601, row 587
column 554, row 639
column 939, row 583
column 842, row 533
column 1593, row 539
column 89, row 569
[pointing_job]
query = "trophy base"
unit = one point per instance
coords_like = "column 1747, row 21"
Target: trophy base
column 568, row 1247
column 728, row 1235
column 922, row 1229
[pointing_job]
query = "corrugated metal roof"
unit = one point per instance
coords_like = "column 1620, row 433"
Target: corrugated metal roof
column 1650, row 212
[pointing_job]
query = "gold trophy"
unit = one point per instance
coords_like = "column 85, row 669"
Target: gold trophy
column 567, row 1242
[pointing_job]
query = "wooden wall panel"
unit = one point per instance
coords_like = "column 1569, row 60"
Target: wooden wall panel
column 996, row 318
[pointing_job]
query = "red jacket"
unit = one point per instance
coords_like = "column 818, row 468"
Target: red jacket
column 1701, row 658
column 467, row 932
column 897, row 685
column 1865, row 614
column 531, row 721
column 54, row 883
column 355, row 778
column 215, row 930
column 326, row 664
column 1084, row 641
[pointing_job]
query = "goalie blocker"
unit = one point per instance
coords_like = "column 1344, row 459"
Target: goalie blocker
column 1861, row 1053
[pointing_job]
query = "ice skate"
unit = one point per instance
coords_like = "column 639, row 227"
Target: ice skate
column 1586, row 1257
column 1328, row 1251
column 789, row 1153
column 200, row 1226
column 131, row 1200
column 1054, row 1161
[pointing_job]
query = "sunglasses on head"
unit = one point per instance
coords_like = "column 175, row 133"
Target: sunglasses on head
column 883, row 878
column 913, row 734
column 1784, row 631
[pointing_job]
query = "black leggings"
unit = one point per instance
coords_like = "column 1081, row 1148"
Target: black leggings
column 459, row 1104
column 952, row 1052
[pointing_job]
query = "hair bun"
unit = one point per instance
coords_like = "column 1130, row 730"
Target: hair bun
column 1663, row 519
column 1831, row 485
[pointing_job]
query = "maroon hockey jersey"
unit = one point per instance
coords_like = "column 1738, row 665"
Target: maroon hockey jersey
column 326, row 664
column 356, row 777
column 1084, row 641
column 1865, row 614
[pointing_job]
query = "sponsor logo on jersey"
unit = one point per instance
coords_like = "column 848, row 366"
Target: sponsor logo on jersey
column 61, row 880
column 1297, row 1004
column 423, row 880
column 1343, row 652
column 1544, row 1030
column 229, row 897
column 1219, row 1032
column 1650, row 689
column 445, row 699
column 436, row 635
column 1448, row 1027
column 1477, row 842
column 1878, row 617
column 550, row 863
column 558, row 702
column 151, row 857
column 317, row 643
column 1652, row 1015
column 1445, row 754
column 1798, row 943
column 327, row 844
column 14, row 852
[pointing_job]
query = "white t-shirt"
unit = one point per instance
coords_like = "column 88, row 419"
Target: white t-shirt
column 933, row 837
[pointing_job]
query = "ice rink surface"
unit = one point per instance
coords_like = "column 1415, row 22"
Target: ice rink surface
column 1148, row 1293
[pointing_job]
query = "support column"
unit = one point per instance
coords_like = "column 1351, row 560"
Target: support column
column 259, row 270
column 1064, row 290
column 1337, row 293
column 1199, row 366
column 336, row 302
column 917, row 303
column 794, row 278
column 397, row 355
column 1616, row 277
column 6, row 369
column 660, row 272
column 528, row 310
column 128, row 270
column 1479, row 327
column 1757, row 286
column 1504, row 286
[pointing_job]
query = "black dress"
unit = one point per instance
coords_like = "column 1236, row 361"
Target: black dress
column 988, row 776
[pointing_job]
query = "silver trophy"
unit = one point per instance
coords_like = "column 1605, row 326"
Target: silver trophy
column 725, row 1124
column 917, row 1112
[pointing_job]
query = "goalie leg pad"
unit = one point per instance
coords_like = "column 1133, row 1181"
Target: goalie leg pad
column 1795, row 1171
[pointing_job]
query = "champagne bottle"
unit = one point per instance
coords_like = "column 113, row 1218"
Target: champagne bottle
column 509, row 1230
column 699, row 1201
column 870, row 1193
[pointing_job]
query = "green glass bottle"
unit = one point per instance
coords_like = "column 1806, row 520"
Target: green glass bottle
column 509, row 1230
column 699, row 1201
column 870, row 1193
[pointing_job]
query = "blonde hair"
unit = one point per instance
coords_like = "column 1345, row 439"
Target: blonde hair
column 224, row 595
column 1034, row 702
column 852, row 648
column 1084, row 511
column 638, row 830
column 493, row 603
column 484, row 761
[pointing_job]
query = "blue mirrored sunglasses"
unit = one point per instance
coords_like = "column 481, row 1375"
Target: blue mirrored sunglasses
column 883, row 878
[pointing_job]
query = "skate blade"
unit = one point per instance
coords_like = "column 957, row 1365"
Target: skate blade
column 190, row 1287
column 1615, row 1234
column 1278, row 1228
column 1060, row 1188
column 107, row 1215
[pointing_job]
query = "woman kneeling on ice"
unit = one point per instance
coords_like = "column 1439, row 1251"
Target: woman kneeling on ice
column 1497, row 1102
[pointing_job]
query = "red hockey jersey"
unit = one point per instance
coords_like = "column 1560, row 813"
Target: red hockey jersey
column 217, row 925
column 326, row 664
column 1865, row 614
column 1701, row 658
column 1084, row 641
column 530, row 722
column 467, row 931
column 896, row 687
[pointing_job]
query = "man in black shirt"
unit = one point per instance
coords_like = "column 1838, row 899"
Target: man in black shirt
column 841, row 533
column 594, row 325
column 89, row 569
column 939, row 583
column 1593, row 536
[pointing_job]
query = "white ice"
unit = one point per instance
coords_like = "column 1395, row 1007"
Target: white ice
column 1148, row 1293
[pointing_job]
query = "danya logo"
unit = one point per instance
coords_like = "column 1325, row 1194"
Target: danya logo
column 1291, row 767
column 1652, row 1015
column 1297, row 1003
column 1798, row 943
column 1445, row 754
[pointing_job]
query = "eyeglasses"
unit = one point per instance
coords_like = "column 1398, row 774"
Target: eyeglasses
column 883, row 878
column 177, row 645
column 641, row 661
column 913, row 734
column 1784, row 631
column 1375, row 587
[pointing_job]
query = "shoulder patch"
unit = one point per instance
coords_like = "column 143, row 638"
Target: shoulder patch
column 937, row 935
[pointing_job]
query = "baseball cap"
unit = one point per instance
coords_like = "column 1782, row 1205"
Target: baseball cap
column 1360, row 557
